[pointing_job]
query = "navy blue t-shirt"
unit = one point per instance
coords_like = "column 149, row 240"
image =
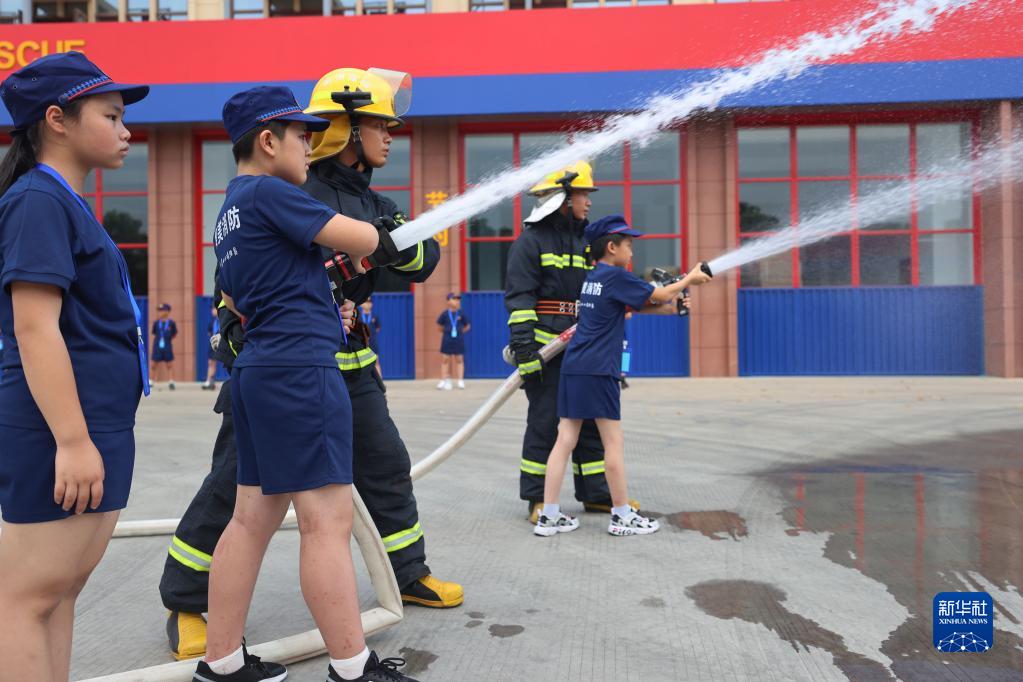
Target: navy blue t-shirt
column 164, row 330
column 596, row 348
column 274, row 272
column 47, row 238
column 460, row 319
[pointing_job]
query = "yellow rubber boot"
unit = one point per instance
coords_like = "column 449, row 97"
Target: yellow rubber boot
column 187, row 634
column 606, row 508
column 534, row 511
column 433, row 593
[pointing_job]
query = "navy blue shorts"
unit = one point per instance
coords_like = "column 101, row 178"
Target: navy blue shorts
column 450, row 346
column 165, row 354
column 27, row 473
column 293, row 426
column 583, row 396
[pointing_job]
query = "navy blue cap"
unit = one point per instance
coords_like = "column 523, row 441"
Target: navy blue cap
column 612, row 224
column 454, row 295
column 58, row 79
column 259, row 105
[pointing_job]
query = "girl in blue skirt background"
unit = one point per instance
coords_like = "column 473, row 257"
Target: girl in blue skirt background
column 74, row 365
column 590, row 385
column 453, row 325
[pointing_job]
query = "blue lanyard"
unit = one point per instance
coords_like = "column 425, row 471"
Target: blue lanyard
column 164, row 325
column 121, row 265
column 453, row 318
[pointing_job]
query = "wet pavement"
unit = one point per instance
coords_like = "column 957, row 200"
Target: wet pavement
column 806, row 526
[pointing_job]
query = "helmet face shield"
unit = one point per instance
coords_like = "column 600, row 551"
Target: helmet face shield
column 401, row 88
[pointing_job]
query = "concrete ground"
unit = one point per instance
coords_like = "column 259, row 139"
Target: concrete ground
column 807, row 525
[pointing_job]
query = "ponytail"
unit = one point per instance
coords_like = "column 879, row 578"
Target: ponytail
column 20, row 157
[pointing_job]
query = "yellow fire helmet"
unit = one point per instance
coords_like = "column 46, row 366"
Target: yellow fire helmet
column 577, row 176
column 345, row 95
column 552, row 191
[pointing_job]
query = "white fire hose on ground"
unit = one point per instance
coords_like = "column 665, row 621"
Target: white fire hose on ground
column 310, row 644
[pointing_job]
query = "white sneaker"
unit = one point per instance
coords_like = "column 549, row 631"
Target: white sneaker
column 548, row 527
column 448, row 386
column 441, row 384
column 633, row 524
column 461, row 384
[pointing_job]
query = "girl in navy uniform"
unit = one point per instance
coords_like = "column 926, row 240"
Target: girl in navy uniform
column 590, row 385
column 292, row 414
column 453, row 324
column 75, row 364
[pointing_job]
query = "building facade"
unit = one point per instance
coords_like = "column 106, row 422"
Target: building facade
column 932, row 289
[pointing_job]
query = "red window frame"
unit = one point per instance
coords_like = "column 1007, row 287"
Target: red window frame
column 853, row 120
column 570, row 128
column 219, row 135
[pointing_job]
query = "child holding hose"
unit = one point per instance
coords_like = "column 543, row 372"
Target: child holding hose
column 590, row 387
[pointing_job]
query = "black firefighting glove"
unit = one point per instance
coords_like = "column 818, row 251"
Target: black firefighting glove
column 529, row 363
column 387, row 253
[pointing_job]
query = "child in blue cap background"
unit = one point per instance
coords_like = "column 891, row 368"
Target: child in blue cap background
column 162, row 350
column 75, row 364
column 590, row 374
column 453, row 325
column 292, row 413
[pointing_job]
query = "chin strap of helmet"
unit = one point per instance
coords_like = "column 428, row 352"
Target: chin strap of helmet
column 351, row 100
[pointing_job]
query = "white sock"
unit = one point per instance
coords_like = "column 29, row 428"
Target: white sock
column 228, row 664
column 351, row 668
column 623, row 512
column 551, row 511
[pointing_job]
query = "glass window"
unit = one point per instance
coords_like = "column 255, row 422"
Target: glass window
column 826, row 263
column 119, row 198
column 106, row 11
column 172, row 10
column 488, row 263
column 894, row 236
column 48, row 11
column 138, row 10
column 764, row 153
column 246, row 9
column 609, row 166
column 946, row 259
column 218, row 166
column 942, row 143
column 764, row 206
column 657, row 161
column 830, row 199
column 953, row 212
column 656, row 208
column 485, row 155
column 284, row 8
column 398, row 171
column 882, row 149
column 822, row 151
column 497, row 221
column 610, row 200
column 773, row 271
column 534, row 145
column 885, row 260
column 650, row 253
column 897, row 213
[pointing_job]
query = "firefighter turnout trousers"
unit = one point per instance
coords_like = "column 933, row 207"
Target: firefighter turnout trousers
column 186, row 573
column 542, row 432
column 382, row 469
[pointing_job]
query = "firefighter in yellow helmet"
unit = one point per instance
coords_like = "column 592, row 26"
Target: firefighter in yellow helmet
column 547, row 266
column 363, row 107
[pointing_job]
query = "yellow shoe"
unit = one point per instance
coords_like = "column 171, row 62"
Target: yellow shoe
column 433, row 593
column 534, row 512
column 606, row 508
column 187, row 634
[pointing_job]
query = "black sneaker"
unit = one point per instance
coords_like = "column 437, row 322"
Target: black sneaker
column 375, row 671
column 254, row 670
